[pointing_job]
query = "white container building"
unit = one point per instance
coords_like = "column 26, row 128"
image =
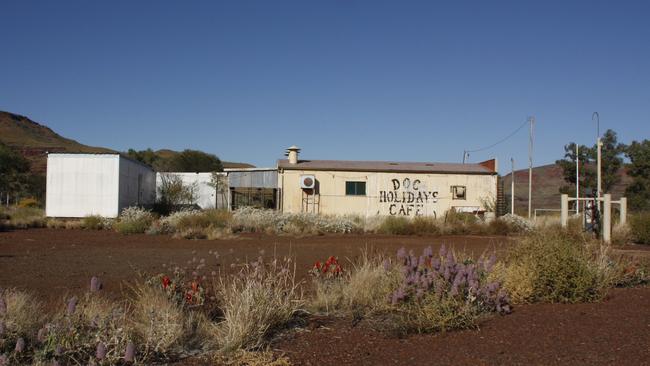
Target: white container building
column 80, row 185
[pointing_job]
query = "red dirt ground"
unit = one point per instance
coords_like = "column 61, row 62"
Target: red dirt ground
column 613, row 332
column 52, row 262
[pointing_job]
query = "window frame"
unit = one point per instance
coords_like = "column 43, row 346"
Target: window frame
column 454, row 193
column 355, row 184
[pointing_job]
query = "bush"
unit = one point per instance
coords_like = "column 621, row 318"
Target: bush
column 28, row 202
column 259, row 300
column 92, row 222
column 640, row 227
column 443, row 292
column 400, row 225
column 24, row 218
column 554, row 266
column 134, row 220
column 249, row 219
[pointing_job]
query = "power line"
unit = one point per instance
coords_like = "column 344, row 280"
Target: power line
column 500, row 141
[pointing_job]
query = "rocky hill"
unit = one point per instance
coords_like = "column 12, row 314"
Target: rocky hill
column 547, row 180
column 34, row 140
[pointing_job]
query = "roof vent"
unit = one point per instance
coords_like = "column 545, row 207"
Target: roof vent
column 292, row 153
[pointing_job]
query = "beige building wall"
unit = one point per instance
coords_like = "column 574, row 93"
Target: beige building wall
column 401, row 194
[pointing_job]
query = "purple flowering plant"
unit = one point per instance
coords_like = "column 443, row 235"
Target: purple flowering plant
column 443, row 277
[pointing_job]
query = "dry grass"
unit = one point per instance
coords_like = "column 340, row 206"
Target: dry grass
column 159, row 321
column 22, row 317
column 259, row 300
column 359, row 292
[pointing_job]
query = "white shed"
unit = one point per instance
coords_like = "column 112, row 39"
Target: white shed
column 80, row 185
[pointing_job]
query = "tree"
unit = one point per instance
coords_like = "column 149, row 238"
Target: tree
column 148, row 156
column 173, row 193
column 15, row 177
column 638, row 192
column 193, row 161
column 611, row 162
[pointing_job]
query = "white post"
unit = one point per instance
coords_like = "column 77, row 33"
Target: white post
column 530, row 168
column 564, row 210
column 623, row 211
column 607, row 218
column 599, row 167
column 577, row 181
column 512, row 187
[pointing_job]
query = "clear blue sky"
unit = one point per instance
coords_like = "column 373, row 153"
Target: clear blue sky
column 358, row 80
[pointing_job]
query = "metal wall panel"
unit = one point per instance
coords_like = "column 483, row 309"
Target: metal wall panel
column 253, row 179
column 79, row 185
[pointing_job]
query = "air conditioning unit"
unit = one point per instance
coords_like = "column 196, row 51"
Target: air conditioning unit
column 307, row 181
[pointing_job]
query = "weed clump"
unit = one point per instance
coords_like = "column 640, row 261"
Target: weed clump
column 640, row 227
column 134, row 220
column 262, row 298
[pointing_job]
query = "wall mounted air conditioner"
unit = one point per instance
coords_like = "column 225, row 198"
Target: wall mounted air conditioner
column 307, row 181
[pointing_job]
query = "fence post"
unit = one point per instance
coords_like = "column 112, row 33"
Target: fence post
column 564, row 210
column 607, row 218
column 623, row 211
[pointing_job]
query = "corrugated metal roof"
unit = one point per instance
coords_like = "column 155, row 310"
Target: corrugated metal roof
column 385, row 166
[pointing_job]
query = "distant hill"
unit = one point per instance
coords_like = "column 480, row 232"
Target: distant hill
column 33, row 140
column 547, row 180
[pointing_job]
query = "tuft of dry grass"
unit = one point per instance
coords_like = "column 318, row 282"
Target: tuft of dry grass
column 359, row 292
column 21, row 314
column 261, row 299
column 159, row 321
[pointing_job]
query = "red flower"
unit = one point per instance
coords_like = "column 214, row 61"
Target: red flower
column 317, row 265
column 188, row 297
column 166, row 282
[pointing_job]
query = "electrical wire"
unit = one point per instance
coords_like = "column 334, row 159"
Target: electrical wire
column 500, row 141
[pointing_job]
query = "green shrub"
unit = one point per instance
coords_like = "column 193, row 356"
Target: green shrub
column 94, row 222
column 25, row 217
column 396, row 225
column 640, row 227
column 554, row 266
column 204, row 219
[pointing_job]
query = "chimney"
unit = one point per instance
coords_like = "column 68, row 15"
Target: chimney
column 292, row 153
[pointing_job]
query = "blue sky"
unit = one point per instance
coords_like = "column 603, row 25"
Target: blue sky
column 357, row 80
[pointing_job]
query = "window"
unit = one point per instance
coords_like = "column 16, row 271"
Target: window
column 458, row 192
column 355, row 188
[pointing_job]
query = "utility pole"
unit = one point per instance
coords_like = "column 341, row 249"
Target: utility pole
column 512, row 187
column 598, row 148
column 577, row 180
column 465, row 154
column 530, row 168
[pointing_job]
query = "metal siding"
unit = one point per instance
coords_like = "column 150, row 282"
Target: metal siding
column 80, row 185
column 253, row 179
column 129, row 194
